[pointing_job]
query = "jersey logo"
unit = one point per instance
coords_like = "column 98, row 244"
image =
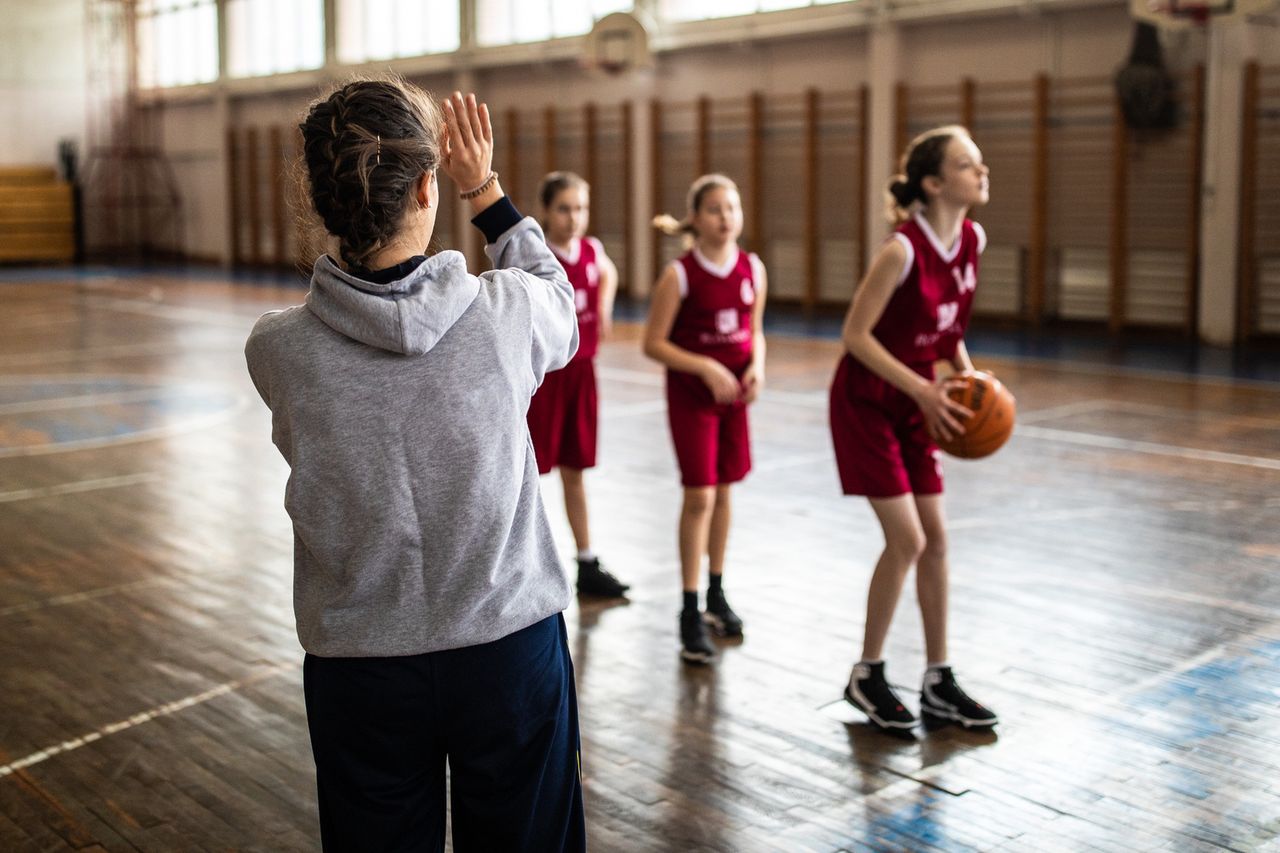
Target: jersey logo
column 968, row 282
column 580, row 301
column 593, row 275
column 727, row 321
column 748, row 292
column 947, row 314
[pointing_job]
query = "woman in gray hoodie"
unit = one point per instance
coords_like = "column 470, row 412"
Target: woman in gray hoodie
column 427, row 589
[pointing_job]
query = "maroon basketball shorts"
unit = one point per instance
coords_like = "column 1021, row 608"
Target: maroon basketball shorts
column 563, row 417
column 882, row 446
column 712, row 441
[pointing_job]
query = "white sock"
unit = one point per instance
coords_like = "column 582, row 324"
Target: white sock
column 587, row 555
column 937, row 666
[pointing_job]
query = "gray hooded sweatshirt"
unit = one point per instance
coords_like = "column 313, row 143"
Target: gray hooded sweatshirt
column 400, row 408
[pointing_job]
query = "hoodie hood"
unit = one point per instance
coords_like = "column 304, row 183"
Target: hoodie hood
column 407, row 316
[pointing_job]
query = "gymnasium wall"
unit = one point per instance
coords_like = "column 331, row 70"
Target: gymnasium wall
column 42, row 79
column 694, row 110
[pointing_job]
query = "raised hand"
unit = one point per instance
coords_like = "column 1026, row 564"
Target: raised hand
column 468, row 148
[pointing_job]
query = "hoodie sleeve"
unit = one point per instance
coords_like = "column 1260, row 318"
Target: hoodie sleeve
column 521, row 255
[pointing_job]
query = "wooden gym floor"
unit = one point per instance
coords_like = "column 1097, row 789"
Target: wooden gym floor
column 1115, row 599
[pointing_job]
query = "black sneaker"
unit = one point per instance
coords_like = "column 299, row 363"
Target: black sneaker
column 720, row 616
column 869, row 692
column 594, row 579
column 695, row 645
column 942, row 699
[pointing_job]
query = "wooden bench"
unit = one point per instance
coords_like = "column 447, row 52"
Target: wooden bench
column 37, row 215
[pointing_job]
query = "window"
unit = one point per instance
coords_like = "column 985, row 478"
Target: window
column 700, row 10
column 516, row 21
column 386, row 29
column 177, row 42
column 274, row 36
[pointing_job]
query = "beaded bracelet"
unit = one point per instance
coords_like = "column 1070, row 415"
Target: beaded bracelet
column 488, row 182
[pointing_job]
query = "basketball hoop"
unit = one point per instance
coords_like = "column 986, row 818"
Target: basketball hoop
column 1181, row 14
column 616, row 44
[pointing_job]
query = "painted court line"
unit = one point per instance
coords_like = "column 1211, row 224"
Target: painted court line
column 1153, row 448
column 79, row 486
column 79, row 597
column 83, row 401
column 194, row 425
column 142, row 717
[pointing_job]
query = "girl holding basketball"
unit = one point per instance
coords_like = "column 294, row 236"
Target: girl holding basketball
column 910, row 311
column 705, row 325
column 563, row 413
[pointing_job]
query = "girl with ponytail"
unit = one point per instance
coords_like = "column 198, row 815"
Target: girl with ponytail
column 706, row 326
column 910, row 311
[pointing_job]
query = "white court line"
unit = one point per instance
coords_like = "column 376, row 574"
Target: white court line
column 1153, row 448
column 78, row 597
column 195, row 425
column 79, row 486
column 635, row 377
column 229, row 319
column 630, row 410
column 1065, row 410
column 112, row 351
column 142, row 717
column 83, row 400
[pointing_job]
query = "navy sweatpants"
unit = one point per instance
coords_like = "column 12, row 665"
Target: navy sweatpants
column 505, row 717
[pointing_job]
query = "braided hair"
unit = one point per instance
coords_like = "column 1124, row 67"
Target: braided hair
column 924, row 157
column 365, row 147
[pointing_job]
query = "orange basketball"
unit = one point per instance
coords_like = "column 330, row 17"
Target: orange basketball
column 993, row 410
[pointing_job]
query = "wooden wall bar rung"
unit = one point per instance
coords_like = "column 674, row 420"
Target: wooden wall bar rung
column 901, row 119
column 702, row 162
column 755, row 171
column 549, row 153
column 1246, row 268
column 279, row 257
column 1119, row 242
column 1195, row 155
column 968, row 94
column 811, row 242
column 863, row 220
column 233, row 194
column 628, row 223
column 655, row 176
column 589, row 132
column 1038, row 238
column 254, row 193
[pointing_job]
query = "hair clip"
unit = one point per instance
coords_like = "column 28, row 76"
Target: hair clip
column 379, row 155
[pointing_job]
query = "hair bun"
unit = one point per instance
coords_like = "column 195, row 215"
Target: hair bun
column 902, row 191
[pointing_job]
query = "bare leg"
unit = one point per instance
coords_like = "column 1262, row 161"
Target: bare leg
column 932, row 577
column 718, row 540
column 695, row 524
column 903, row 542
column 575, row 506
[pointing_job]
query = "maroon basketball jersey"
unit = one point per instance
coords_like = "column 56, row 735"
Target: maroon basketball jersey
column 927, row 315
column 715, row 308
column 584, row 275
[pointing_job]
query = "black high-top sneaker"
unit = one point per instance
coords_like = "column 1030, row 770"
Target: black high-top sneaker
column 695, row 645
column 942, row 699
column 869, row 691
column 594, row 579
column 720, row 616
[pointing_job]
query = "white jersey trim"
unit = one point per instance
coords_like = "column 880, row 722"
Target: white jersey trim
column 757, row 271
column 982, row 236
column 597, row 245
column 682, row 278
column 575, row 252
column 911, row 257
column 718, row 271
column 947, row 256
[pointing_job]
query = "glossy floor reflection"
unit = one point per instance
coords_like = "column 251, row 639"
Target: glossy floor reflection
column 1115, row 598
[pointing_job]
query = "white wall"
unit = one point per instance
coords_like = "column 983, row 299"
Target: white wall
column 42, row 79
